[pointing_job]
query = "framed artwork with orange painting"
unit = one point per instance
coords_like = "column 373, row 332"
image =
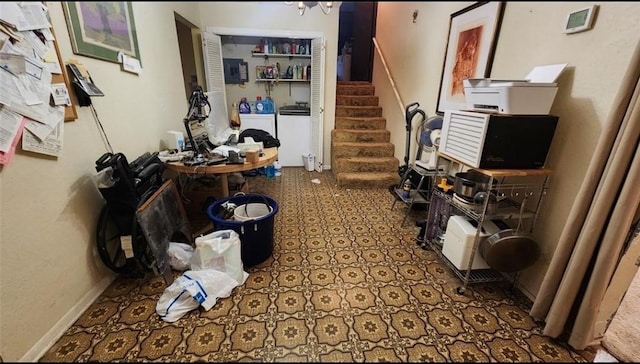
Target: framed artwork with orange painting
column 473, row 35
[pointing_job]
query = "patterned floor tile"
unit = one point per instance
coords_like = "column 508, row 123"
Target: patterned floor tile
column 346, row 283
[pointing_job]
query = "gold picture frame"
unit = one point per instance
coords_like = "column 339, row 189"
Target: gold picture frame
column 473, row 36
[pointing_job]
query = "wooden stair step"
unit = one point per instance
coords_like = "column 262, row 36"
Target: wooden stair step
column 355, row 149
column 357, row 100
column 369, row 123
column 355, row 89
column 365, row 164
column 360, row 135
column 367, row 179
column 357, row 111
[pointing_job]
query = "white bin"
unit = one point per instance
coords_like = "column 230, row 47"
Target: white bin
column 309, row 161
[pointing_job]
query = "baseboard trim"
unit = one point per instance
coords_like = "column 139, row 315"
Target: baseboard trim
column 56, row 332
column 525, row 291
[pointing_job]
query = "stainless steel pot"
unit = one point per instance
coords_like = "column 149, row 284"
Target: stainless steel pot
column 467, row 184
column 509, row 251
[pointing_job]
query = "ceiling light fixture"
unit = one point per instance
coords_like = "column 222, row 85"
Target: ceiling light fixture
column 325, row 6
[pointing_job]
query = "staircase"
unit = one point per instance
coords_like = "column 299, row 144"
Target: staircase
column 361, row 154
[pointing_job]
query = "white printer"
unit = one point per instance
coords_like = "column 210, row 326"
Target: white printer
column 533, row 95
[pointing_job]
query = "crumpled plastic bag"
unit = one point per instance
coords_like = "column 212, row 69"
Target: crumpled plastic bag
column 180, row 255
column 193, row 289
column 220, row 250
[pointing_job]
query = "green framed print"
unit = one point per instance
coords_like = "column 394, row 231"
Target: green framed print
column 102, row 29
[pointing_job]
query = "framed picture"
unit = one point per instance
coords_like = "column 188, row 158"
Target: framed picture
column 102, row 29
column 473, row 35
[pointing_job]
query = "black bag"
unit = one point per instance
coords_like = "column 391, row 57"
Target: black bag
column 259, row 135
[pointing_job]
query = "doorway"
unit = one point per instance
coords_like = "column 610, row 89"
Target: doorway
column 357, row 27
column 189, row 40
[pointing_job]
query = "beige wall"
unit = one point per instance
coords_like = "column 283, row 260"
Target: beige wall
column 49, row 271
column 531, row 35
column 49, row 268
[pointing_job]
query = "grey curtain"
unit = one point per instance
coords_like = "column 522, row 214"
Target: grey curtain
column 593, row 239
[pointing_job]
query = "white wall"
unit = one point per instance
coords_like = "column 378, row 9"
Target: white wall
column 277, row 16
column 49, row 206
column 531, row 35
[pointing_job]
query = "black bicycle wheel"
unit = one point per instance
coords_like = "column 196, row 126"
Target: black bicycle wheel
column 108, row 239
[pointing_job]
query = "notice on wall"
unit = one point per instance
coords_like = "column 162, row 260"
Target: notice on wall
column 51, row 145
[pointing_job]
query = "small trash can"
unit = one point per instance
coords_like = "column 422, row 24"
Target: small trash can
column 308, row 160
column 252, row 219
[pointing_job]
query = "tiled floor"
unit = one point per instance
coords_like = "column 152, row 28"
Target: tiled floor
column 345, row 283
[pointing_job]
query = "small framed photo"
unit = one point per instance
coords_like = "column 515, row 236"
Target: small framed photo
column 580, row 20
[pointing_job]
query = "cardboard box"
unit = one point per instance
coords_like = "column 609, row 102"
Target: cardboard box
column 202, row 192
column 252, row 156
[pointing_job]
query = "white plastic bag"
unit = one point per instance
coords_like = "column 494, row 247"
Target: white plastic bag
column 179, row 255
column 220, row 250
column 193, row 289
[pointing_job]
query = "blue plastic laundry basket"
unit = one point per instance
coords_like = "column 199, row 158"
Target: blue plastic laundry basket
column 256, row 235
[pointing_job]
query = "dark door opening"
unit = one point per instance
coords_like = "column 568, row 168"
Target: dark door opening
column 357, row 27
column 188, row 54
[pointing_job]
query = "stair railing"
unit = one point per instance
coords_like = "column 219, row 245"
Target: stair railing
column 391, row 81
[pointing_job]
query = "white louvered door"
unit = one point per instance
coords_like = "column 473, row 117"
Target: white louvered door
column 216, row 92
column 317, row 100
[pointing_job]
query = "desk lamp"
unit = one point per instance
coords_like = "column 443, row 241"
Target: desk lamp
column 198, row 104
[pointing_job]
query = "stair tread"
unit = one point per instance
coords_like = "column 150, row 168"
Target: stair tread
column 367, row 175
column 360, row 118
column 361, row 170
column 356, row 144
column 357, row 96
column 364, row 131
column 360, row 106
column 353, row 82
column 356, row 159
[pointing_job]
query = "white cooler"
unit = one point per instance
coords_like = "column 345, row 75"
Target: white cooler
column 458, row 242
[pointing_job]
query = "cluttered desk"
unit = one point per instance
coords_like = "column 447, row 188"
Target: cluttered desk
column 202, row 157
column 268, row 156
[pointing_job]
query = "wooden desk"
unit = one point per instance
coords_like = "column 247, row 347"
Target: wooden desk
column 269, row 156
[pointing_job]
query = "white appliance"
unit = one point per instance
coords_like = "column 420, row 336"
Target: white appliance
column 459, row 239
column 533, row 95
column 266, row 122
column 294, row 134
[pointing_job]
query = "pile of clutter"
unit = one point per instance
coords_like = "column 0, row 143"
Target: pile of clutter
column 211, row 270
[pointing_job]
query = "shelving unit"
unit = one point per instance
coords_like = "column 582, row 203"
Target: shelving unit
column 280, row 55
column 419, row 193
column 519, row 192
column 280, row 80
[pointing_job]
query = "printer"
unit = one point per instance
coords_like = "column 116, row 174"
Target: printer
column 532, row 95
